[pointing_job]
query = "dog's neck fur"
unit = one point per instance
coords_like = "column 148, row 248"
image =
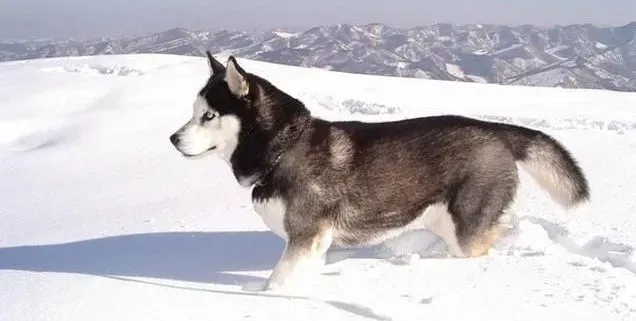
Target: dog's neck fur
column 282, row 121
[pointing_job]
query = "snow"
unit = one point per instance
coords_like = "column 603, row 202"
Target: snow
column 283, row 34
column 402, row 65
column 477, row 78
column 551, row 78
column 101, row 219
column 599, row 45
column 504, row 50
column 455, row 70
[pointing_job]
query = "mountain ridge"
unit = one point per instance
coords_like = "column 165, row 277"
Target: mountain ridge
column 570, row 56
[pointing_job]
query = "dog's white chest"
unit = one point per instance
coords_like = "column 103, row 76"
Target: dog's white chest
column 272, row 211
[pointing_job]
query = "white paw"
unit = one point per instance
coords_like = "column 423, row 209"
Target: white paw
column 268, row 285
column 255, row 286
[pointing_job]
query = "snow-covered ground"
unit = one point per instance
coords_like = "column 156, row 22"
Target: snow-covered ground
column 101, row 219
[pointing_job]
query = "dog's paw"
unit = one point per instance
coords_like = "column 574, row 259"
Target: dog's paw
column 256, row 286
column 269, row 285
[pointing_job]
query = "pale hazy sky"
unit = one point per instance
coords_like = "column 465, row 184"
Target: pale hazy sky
column 93, row 18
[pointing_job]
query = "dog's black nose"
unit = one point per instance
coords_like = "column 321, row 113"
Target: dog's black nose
column 174, row 139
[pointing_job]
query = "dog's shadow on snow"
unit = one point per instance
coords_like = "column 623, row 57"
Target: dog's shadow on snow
column 206, row 257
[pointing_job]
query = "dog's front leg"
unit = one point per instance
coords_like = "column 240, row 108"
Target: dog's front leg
column 304, row 255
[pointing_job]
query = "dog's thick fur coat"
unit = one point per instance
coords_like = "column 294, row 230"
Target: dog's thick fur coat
column 319, row 183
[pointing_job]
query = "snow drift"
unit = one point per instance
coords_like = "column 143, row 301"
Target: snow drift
column 100, row 219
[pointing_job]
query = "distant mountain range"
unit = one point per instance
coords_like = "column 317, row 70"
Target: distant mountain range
column 573, row 56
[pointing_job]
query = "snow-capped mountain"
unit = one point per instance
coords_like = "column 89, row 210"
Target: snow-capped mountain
column 574, row 56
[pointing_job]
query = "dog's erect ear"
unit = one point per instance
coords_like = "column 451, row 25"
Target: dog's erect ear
column 235, row 78
column 215, row 66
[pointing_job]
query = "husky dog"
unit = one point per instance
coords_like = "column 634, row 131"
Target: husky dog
column 318, row 183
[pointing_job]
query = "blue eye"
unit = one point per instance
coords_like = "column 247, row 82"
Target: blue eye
column 209, row 116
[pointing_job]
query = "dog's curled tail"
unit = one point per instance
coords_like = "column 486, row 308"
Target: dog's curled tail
column 550, row 164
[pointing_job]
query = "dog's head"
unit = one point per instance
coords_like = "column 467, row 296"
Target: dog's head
column 220, row 110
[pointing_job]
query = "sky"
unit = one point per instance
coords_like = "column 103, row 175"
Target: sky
column 90, row 18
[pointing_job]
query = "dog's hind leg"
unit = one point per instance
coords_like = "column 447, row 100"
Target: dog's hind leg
column 304, row 253
column 440, row 222
column 481, row 243
column 478, row 224
column 444, row 226
column 481, row 203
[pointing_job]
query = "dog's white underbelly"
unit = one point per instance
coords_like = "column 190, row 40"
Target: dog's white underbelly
column 272, row 211
column 434, row 218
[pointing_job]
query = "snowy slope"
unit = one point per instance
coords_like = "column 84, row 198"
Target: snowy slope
column 101, row 219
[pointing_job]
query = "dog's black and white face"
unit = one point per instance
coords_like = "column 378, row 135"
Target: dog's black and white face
column 218, row 111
